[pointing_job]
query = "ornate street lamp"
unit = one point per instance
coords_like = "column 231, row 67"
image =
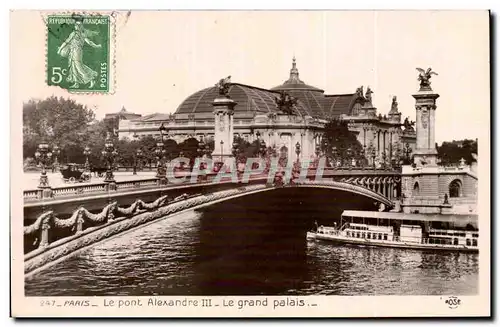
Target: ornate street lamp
column 384, row 160
column 235, row 149
column 373, row 153
column 164, row 137
column 363, row 156
column 164, row 132
column 160, row 154
column 262, row 148
column 296, row 165
column 137, row 157
column 349, row 154
column 56, row 152
column 86, row 153
column 44, row 156
column 109, row 153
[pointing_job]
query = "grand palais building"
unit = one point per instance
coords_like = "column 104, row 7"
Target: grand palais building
column 257, row 115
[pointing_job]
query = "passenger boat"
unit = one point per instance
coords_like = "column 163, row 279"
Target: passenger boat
column 400, row 230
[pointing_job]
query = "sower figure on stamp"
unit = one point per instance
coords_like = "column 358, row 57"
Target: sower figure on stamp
column 72, row 48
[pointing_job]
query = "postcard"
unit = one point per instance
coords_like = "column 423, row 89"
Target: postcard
column 250, row 163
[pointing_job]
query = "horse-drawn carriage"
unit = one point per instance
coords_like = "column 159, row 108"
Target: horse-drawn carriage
column 75, row 173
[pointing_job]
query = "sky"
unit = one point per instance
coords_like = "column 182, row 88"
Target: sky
column 162, row 57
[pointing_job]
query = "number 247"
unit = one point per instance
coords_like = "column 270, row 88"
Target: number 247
column 47, row 303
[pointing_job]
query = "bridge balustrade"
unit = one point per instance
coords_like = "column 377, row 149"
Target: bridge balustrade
column 379, row 180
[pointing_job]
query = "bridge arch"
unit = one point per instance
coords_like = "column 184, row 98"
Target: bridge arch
column 332, row 185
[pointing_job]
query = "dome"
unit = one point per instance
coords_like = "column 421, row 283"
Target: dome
column 311, row 96
column 311, row 101
column 248, row 99
column 294, row 83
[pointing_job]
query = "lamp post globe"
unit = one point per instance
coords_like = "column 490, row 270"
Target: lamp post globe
column 56, row 151
column 86, row 153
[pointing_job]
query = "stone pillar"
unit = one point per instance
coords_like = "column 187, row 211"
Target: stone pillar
column 425, row 128
column 380, row 142
column 223, row 112
column 385, row 143
column 364, row 137
column 390, row 144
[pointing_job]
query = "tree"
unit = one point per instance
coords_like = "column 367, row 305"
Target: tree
column 210, row 142
column 58, row 121
column 189, row 149
column 340, row 143
column 172, row 149
column 244, row 149
column 148, row 146
column 450, row 153
column 95, row 139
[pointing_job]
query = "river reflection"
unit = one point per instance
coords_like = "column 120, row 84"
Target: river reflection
column 254, row 245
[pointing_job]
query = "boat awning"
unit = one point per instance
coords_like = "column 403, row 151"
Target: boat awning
column 452, row 218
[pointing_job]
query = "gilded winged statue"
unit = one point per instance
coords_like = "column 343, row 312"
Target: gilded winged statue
column 425, row 76
column 223, row 85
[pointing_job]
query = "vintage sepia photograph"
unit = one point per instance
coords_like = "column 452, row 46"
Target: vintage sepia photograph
column 268, row 161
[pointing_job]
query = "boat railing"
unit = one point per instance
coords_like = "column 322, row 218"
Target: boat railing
column 344, row 226
column 434, row 242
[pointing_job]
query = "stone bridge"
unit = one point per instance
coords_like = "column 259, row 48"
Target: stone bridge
column 78, row 216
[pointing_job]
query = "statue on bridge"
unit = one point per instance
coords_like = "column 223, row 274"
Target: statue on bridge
column 425, row 78
column 359, row 92
column 408, row 125
column 368, row 94
column 223, row 86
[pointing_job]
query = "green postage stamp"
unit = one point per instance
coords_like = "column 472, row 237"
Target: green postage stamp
column 79, row 49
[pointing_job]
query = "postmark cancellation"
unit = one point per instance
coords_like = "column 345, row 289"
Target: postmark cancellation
column 80, row 52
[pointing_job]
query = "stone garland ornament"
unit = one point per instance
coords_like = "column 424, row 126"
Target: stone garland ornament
column 136, row 216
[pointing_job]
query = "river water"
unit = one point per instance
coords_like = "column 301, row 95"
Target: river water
column 254, row 246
